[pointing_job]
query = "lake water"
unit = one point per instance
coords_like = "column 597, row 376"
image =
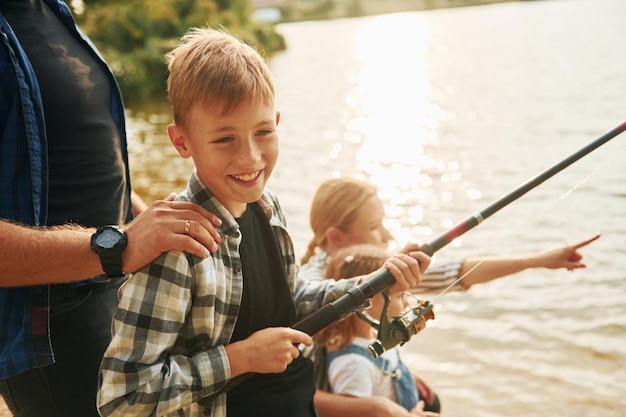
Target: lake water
column 447, row 111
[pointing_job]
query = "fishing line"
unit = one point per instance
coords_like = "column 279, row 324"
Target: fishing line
column 532, row 220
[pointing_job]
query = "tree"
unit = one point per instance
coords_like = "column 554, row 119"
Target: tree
column 135, row 35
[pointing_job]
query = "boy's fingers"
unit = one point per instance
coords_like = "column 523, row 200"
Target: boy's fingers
column 422, row 258
column 299, row 337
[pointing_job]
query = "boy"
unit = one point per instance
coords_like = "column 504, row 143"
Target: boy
column 184, row 325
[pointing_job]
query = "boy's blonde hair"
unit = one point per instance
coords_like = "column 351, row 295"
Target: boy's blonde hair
column 335, row 204
column 214, row 68
column 349, row 262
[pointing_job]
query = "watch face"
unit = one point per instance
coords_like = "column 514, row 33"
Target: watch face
column 108, row 238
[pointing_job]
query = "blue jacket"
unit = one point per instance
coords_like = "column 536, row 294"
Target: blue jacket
column 24, row 321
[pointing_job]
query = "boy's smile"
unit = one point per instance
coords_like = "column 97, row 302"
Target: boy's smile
column 234, row 153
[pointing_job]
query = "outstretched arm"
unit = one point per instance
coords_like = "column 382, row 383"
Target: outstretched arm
column 486, row 269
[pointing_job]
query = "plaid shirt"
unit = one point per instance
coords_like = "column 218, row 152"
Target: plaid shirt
column 176, row 315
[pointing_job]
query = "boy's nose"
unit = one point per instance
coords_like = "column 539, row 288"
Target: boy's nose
column 250, row 152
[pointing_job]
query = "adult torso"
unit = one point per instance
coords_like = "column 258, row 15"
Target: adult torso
column 87, row 171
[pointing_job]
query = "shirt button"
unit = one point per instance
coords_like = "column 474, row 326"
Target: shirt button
column 236, row 235
column 238, row 269
column 206, row 412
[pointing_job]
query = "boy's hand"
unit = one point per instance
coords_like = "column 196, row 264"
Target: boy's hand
column 266, row 351
column 407, row 269
column 163, row 227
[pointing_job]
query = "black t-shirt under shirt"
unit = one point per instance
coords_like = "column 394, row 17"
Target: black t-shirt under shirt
column 267, row 302
column 87, row 171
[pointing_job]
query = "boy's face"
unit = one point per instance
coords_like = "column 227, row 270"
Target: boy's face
column 234, row 154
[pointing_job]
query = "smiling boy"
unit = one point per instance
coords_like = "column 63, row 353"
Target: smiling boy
column 185, row 326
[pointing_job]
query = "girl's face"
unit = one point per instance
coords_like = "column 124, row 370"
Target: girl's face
column 367, row 226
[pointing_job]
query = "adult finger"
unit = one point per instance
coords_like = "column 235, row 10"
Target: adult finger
column 202, row 223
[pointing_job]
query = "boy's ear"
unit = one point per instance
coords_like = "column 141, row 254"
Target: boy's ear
column 277, row 117
column 177, row 137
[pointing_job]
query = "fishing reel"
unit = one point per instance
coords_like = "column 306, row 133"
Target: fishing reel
column 400, row 328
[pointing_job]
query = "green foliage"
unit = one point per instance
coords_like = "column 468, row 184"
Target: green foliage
column 135, row 35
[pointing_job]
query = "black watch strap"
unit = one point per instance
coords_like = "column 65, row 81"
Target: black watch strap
column 112, row 264
column 109, row 243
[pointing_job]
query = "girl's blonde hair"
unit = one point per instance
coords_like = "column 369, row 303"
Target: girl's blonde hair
column 345, row 263
column 335, row 204
column 213, row 68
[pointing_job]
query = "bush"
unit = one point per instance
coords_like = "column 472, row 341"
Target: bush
column 134, row 36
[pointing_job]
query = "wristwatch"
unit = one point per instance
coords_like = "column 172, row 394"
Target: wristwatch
column 109, row 243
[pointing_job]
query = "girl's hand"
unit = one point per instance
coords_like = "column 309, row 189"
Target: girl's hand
column 419, row 411
column 564, row 257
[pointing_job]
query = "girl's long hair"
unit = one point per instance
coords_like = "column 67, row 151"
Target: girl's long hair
column 335, row 204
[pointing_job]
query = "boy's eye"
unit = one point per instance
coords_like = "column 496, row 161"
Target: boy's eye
column 224, row 139
column 264, row 132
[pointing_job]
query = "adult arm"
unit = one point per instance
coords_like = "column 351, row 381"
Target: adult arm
column 36, row 255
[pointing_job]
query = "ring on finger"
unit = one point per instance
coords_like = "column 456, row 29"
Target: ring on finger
column 187, row 226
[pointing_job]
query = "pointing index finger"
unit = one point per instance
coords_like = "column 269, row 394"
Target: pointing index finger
column 587, row 241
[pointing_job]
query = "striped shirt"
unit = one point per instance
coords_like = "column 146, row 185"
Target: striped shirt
column 437, row 277
column 176, row 315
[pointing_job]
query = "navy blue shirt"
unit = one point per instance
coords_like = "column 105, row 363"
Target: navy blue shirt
column 73, row 154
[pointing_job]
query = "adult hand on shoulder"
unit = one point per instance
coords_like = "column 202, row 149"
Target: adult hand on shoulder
column 565, row 257
column 170, row 225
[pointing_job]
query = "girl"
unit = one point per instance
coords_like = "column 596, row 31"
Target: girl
column 352, row 370
column 346, row 211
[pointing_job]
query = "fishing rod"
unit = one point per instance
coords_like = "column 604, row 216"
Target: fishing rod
column 401, row 328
